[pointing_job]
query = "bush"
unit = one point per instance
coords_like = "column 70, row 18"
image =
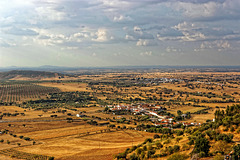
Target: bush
column 51, row 158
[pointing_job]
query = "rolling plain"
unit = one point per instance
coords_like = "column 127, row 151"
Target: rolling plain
column 82, row 116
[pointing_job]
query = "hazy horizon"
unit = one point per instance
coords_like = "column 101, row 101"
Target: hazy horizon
column 107, row 33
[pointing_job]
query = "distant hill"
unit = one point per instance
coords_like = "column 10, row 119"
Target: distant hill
column 28, row 74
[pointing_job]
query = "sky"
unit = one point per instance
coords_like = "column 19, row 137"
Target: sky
column 97, row 33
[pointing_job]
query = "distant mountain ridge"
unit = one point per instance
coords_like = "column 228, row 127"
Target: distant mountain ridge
column 64, row 69
column 28, row 74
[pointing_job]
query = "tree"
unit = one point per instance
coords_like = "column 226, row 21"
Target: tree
column 177, row 156
column 179, row 112
column 26, row 138
column 121, row 156
column 159, row 145
column 150, row 153
column 201, row 145
column 236, row 152
column 218, row 157
column 156, row 136
column 222, row 147
column 176, row 148
column 134, row 157
column 139, row 151
column 178, row 139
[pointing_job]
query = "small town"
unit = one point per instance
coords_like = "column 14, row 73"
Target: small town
column 152, row 112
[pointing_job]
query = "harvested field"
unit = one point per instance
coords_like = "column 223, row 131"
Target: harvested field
column 93, row 145
column 67, row 87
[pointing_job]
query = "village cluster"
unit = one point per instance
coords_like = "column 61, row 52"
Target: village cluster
column 151, row 111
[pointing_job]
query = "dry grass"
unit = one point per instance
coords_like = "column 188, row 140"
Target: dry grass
column 67, row 87
column 92, row 146
column 31, row 113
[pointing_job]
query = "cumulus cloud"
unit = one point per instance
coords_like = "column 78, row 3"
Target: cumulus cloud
column 69, row 48
column 102, row 35
column 170, row 49
column 137, row 33
column 109, row 24
column 129, row 37
column 49, row 39
column 208, row 9
column 142, row 42
column 50, row 13
column 190, row 31
column 147, row 53
column 218, row 45
column 121, row 18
